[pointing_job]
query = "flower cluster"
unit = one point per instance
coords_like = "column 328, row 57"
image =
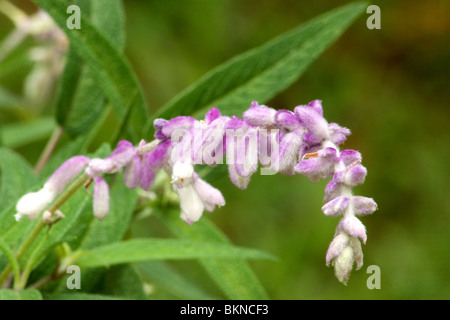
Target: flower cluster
column 283, row 141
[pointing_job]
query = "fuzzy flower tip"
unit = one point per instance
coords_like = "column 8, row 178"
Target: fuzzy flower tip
column 33, row 203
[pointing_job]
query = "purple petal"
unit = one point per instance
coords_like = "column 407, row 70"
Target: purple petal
column 355, row 175
column 353, row 227
column 211, row 149
column 159, row 156
column 101, row 198
column 289, row 148
column 338, row 134
column 67, row 172
column 122, row 155
column 177, row 123
column 212, row 115
column 259, row 115
column 349, row 156
column 312, row 120
column 246, row 161
column 268, row 147
column 235, row 123
column 319, row 167
column 357, row 252
column 158, row 124
column 332, row 190
column 285, row 119
column 236, row 179
column 317, row 106
column 363, row 205
column 336, row 246
column 335, row 207
column 133, row 171
column 148, row 174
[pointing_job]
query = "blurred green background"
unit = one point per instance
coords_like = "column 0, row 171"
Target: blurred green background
column 389, row 86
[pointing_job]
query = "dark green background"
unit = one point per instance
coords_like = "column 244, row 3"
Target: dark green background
column 389, row 86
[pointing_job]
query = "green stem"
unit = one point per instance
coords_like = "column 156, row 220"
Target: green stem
column 12, row 260
column 34, row 256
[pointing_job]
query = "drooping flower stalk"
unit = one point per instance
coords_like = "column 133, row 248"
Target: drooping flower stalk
column 281, row 141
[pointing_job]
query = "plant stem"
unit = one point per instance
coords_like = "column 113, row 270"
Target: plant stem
column 48, row 150
column 12, row 260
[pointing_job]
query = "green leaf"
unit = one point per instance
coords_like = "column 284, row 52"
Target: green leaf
column 234, row 277
column 67, row 87
column 261, row 73
column 109, row 17
column 19, row 134
column 124, row 281
column 79, row 101
column 80, row 296
column 113, row 73
column 113, row 228
column 29, row 294
column 8, row 100
column 16, row 178
column 136, row 250
column 165, row 277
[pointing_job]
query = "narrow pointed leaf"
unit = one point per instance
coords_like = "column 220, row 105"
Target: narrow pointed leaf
column 137, row 250
column 261, row 73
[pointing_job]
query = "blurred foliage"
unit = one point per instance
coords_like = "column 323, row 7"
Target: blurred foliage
column 389, row 86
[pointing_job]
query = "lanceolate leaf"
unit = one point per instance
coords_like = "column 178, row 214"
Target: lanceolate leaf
column 19, row 134
column 80, row 101
column 261, row 73
column 113, row 73
column 136, row 250
column 16, row 178
column 234, row 277
column 29, row 294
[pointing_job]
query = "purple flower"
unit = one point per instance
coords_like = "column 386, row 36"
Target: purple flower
column 152, row 162
column 286, row 120
column 241, row 151
column 354, row 227
column 64, row 175
column 339, row 243
column 212, row 115
column 363, row 205
column 133, row 172
column 349, row 156
column 259, row 115
column 318, row 165
column 338, row 134
column 177, row 123
column 158, row 124
column 119, row 158
column 336, row 206
column 311, row 118
column 33, row 203
column 288, row 152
